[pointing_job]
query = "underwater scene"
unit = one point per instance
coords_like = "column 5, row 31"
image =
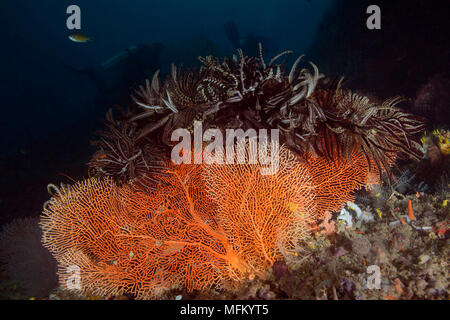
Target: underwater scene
column 225, row 150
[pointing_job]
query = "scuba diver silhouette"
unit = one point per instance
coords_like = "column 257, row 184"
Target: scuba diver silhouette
column 127, row 68
column 116, row 77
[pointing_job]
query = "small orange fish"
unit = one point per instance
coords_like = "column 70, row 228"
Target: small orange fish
column 80, row 38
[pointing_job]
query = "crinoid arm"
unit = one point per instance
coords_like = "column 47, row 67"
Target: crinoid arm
column 122, row 156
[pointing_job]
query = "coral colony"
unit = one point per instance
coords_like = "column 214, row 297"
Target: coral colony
column 143, row 225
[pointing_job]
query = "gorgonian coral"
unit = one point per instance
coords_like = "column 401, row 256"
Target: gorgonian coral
column 128, row 239
column 264, row 215
column 217, row 224
column 335, row 180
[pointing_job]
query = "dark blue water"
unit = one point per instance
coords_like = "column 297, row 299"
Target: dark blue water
column 41, row 97
column 54, row 93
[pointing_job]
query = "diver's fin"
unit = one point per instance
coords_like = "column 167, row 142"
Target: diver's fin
column 114, row 60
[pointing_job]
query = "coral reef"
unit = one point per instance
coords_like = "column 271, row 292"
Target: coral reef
column 143, row 226
column 336, row 180
column 412, row 258
column 131, row 240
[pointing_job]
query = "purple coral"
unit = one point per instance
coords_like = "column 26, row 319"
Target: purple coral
column 25, row 260
column 432, row 99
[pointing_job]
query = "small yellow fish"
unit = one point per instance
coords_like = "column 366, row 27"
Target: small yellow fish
column 78, row 37
column 380, row 214
column 444, row 203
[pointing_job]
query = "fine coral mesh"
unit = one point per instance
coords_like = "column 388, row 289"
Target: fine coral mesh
column 127, row 241
column 206, row 225
column 87, row 213
column 335, row 180
column 86, row 227
column 255, row 210
column 191, row 245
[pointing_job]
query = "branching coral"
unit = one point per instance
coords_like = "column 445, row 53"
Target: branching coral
column 141, row 227
column 138, row 241
column 206, row 225
column 181, row 221
column 127, row 241
column 335, row 180
column 264, row 215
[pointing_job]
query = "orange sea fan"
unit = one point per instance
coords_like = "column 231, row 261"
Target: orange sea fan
column 264, row 216
column 66, row 216
column 124, row 240
column 206, row 226
column 335, row 180
column 86, row 226
column 194, row 248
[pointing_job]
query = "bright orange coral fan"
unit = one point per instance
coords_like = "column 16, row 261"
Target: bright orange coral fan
column 126, row 241
column 264, row 216
column 206, row 225
column 86, row 226
column 335, row 180
column 129, row 240
column 194, row 249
